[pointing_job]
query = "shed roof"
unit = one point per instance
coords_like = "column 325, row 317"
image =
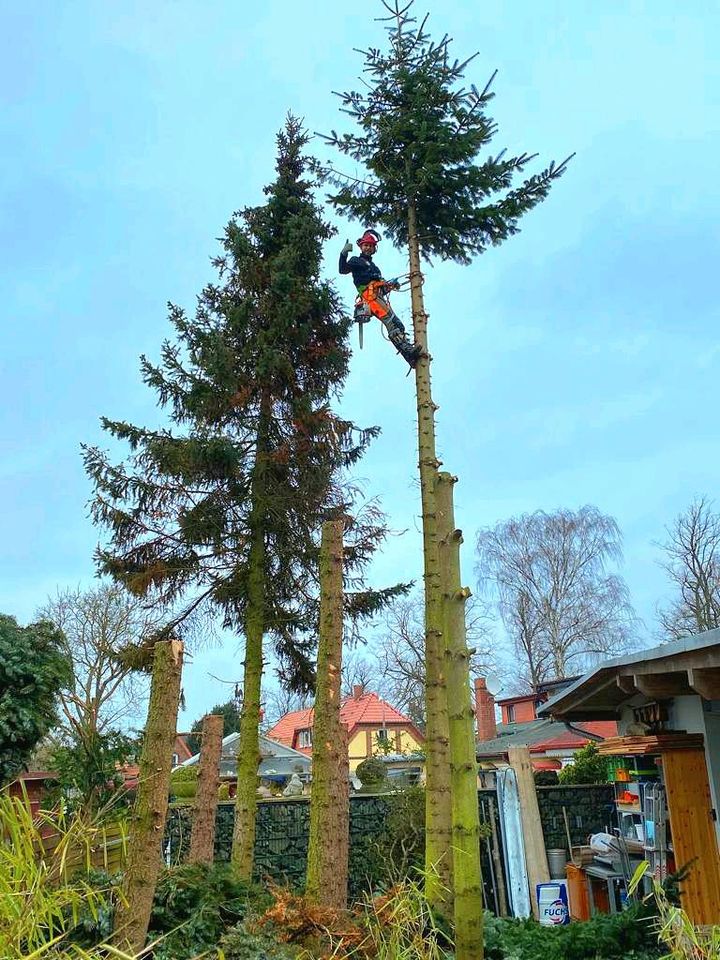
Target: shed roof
column 678, row 668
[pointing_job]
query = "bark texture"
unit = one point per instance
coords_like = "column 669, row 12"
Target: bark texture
column 438, row 829
column 328, row 847
column 467, row 875
column 248, row 757
column 202, row 838
column 147, row 828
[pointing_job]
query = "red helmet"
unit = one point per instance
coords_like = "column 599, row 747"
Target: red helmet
column 370, row 236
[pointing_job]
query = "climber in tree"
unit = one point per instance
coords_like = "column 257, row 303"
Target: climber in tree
column 373, row 290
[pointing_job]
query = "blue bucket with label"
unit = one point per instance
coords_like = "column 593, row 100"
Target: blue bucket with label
column 552, row 899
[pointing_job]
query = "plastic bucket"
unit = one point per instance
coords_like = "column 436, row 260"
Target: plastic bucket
column 552, row 901
column 557, row 863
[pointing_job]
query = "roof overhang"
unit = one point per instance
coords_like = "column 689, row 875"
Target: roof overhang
column 686, row 667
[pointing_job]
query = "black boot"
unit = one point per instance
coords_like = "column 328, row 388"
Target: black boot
column 410, row 352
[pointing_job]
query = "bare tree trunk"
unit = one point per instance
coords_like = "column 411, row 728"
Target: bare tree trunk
column 132, row 916
column 327, row 861
column 248, row 756
column 202, row 838
column 438, row 857
column 467, row 869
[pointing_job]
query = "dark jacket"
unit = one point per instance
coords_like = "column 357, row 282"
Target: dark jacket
column 362, row 268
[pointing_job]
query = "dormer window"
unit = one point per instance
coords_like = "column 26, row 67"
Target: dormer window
column 304, row 738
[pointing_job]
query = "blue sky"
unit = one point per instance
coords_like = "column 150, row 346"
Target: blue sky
column 575, row 364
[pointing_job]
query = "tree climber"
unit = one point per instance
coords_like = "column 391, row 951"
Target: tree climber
column 373, row 290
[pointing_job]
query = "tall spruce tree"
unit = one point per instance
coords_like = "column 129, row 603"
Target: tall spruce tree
column 420, row 138
column 224, row 507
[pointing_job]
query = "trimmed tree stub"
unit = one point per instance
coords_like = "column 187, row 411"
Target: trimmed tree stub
column 132, row 916
column 202, row 840
column 438, row 832
column 467, row 874
column 328, row 844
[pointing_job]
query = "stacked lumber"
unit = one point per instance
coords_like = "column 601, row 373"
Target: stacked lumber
column 650, row 745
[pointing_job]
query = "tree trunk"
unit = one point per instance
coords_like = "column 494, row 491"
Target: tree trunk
column 202, row 838
column 147, row 828
column 438, row 829
column 248, row 757
column 327, row 860
column 467, row 870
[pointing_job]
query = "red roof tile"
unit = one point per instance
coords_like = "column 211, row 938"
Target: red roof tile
column 569, row 740
column 366, row 710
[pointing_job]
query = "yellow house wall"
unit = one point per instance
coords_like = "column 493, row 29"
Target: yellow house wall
column 357, row 748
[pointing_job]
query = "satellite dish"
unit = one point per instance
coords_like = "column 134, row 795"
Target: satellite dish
column 493, row 683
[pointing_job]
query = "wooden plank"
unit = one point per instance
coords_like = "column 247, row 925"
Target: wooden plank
column 693, row 832
column 644, row 746
column 535, row 855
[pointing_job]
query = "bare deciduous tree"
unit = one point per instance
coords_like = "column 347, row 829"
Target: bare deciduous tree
column 278, row 701
column 100, row 625
column 401, row 650
column 692, row 562
column 561, row 605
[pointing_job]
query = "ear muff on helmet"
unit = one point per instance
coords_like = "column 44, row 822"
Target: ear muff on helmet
column 370, row 236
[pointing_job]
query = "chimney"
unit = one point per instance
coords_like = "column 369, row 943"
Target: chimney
column 484, row 711
column 358, row 691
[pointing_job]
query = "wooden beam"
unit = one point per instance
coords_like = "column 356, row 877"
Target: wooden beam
column 706, row 682
column 690, row 660
column 535, row 855
column 663, row 686
column 626, row 682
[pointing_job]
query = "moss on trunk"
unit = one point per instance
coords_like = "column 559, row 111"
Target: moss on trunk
column 147, row 827
column 438, row 857
column 202, row 838
column 328, row 846
column 248, row 756
column 467, row 875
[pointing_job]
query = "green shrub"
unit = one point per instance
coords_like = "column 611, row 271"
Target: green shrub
column 607, row 937
column 183, row 782
column 371, row 772
column 587, row 767
column 195, row 905
column 239, row 944
column 224, row 791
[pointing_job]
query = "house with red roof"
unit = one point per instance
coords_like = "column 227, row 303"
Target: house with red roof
column 551, row 745
column 375, row 728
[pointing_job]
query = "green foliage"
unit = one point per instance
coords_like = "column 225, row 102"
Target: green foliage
column 235, row 489
column 402, row 926
column 183, row 782
column 611, row 937
column 240, row 944
column 88, row 767
column 46, row 900
column 587, row 767
column 371, row 772
column 33, row 668
column 231, row 723
column 399, row 851
column 195, row 905
column 420, row 133
column 681, row 938
column 546, row 778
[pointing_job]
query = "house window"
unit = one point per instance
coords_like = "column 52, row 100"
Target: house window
column 175, row 759
column 304, row 738
column 383, row 736
column 510, row 713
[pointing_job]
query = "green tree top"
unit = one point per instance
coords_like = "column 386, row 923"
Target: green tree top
column 421, row 132
column 33, row 668
column 236, row 488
